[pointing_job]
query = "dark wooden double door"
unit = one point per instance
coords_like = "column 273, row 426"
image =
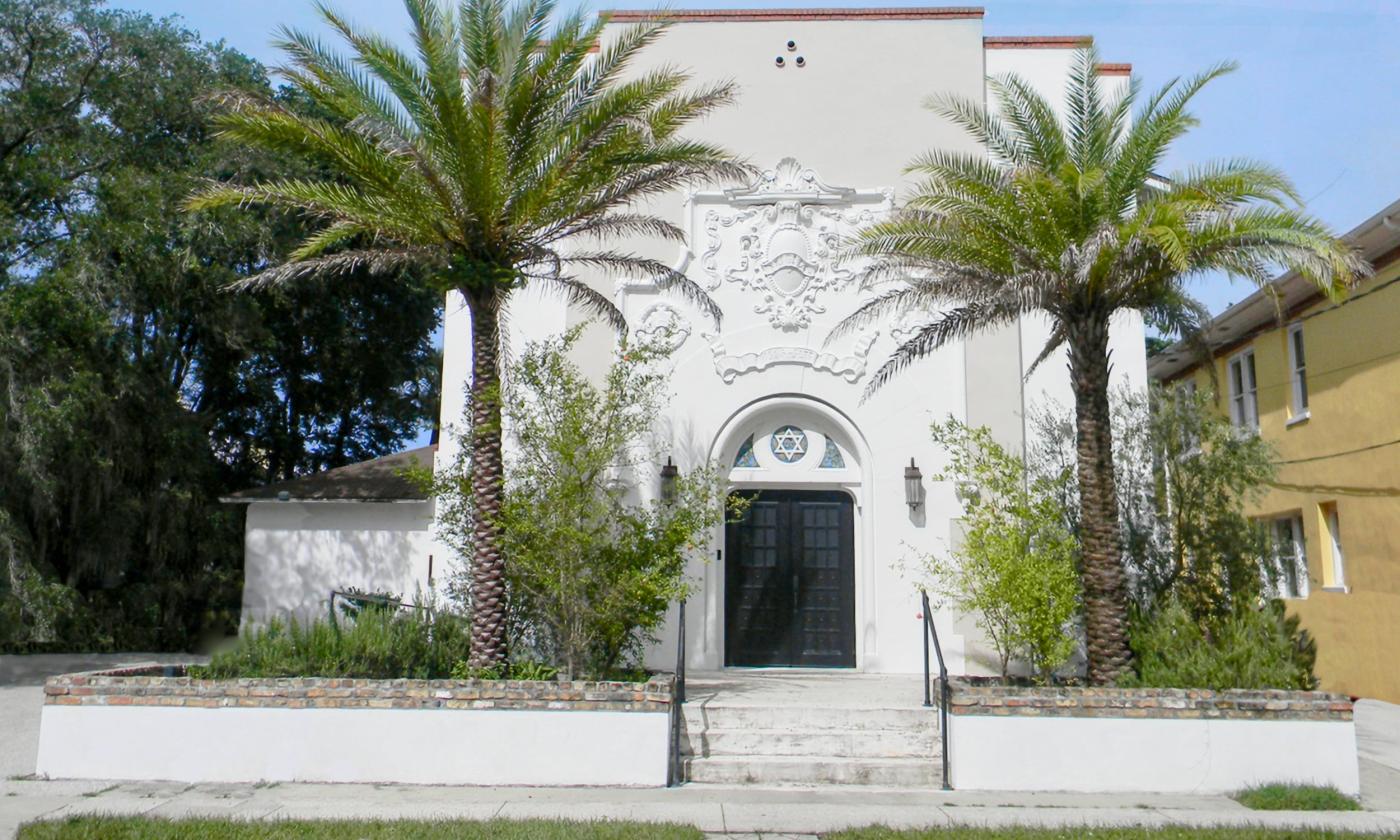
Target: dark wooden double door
column 790, row 581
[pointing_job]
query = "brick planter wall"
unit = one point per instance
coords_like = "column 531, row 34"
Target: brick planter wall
column 1146, row 740
column 147, row 687
column 1160, row 703
column 142, row 724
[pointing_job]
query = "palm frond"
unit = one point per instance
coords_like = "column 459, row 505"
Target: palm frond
column 954, row 325
column 590, row 300
column 374, row 260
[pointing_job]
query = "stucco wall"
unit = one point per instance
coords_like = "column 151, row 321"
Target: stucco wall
column 295, row 553
column 129, row 725
column 1147, row 740
column 1332, row 458
column 354, row 745
column 1148, row 755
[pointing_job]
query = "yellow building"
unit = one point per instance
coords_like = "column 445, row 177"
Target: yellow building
column 1321, row 382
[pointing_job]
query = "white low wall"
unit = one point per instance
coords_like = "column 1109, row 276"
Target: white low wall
column 416, row 746
column 1147, row 755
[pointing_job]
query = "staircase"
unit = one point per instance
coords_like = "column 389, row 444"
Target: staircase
column 812, row 735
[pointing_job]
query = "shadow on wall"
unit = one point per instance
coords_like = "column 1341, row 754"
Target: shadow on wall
column 295, row 554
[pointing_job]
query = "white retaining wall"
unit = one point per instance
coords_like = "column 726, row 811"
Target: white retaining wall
column 415, row 746
column 1148, row 756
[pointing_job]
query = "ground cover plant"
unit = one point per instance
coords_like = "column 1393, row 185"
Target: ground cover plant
column 377, row 643
column 1286, row 797
column 143, row 828
column 1255, row 647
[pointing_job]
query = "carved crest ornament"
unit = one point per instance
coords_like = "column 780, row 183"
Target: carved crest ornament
column 790, row 223
column 663, row 327
column 776, row 240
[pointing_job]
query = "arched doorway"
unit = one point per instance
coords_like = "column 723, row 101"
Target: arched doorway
column 792, row 572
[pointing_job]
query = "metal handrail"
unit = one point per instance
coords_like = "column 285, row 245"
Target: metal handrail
column 931, row 632
column 675, row 770
column 350, row 596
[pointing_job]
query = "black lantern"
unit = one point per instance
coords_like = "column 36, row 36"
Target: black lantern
column 670, row 476
column 913, row 485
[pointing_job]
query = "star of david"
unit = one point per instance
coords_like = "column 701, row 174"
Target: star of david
column 789, row 444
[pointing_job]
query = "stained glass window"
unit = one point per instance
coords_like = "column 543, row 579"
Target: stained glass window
column 831, row 458
column 746, row 458
column 789, row 444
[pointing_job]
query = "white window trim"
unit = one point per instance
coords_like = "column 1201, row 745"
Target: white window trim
column 1246, row 415
column 1298, row 413
column 1338, row 557
column 1300, row 556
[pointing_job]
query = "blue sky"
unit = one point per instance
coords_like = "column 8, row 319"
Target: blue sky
column 1317, row 93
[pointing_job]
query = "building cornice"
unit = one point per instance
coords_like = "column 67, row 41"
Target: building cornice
column 737, row 15
column 1037, row 42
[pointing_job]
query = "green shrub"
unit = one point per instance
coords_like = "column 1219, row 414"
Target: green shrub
column 1185, row 477
column 1014, row 567
column 591, row 568
column 1253, row 647
column 1285, row 797
column 376, row 644
column 531, row 671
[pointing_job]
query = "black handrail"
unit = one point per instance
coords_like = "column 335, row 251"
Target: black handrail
column 943, row 692
column 676, row 769
column 366, row 597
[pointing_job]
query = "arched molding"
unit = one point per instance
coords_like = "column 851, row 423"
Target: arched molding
column 817, row 417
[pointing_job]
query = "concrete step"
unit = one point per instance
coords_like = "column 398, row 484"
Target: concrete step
column 814, row 770
column 920, row 742
column 700, row 717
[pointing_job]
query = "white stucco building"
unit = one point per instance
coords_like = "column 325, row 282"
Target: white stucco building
column 831, row 110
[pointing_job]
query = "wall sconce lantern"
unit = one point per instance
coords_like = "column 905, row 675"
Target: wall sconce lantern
column 913, row 485
column 670, row 477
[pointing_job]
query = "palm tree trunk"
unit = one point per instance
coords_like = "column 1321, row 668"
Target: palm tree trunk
column 487, row 483
column 1105, row 584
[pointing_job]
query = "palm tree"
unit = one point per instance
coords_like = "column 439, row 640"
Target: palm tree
column 500, row 153
column 1064, row 216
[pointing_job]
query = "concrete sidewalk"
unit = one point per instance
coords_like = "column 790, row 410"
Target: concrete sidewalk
column 716, row 810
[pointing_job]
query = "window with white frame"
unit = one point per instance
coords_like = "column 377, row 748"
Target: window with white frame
column 1290, row 557
column 1298, row 368
column 1337, row 579
column 1244, row 397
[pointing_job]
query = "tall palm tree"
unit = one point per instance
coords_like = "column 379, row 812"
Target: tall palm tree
column 500, row 152
column 1064, row 216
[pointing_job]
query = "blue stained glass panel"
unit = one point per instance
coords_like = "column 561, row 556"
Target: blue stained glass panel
column 831, row 458
column 746, row 458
